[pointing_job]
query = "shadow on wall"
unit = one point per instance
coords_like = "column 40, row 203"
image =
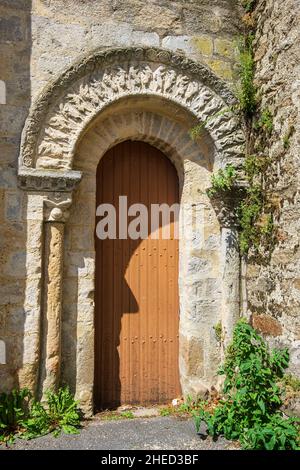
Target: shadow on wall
column 15, row 43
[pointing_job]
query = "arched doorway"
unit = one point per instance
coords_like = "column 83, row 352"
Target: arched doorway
column 136, row 284
column 144, row 94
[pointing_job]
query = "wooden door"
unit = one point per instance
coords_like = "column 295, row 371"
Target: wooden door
column 136, row 291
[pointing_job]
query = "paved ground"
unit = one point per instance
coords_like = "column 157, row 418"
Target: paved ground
column 131, row 434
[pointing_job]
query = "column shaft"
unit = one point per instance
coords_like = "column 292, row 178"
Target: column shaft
column 52, row 305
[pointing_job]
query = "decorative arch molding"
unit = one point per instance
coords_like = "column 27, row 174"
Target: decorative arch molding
column 160, row 131
column 67, row 107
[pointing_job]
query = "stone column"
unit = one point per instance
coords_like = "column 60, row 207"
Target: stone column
column 225, row 207
column 231, row 283
column 55, row 216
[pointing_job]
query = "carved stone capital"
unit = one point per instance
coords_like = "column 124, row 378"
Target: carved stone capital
column 34, row 179
column 56, row 208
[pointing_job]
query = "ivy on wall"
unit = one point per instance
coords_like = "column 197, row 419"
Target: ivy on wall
column 255, row 211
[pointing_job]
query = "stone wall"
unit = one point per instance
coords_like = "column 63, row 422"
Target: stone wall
column 15, row 97
column 64, row 29
column 273, row 285
column 40, row 39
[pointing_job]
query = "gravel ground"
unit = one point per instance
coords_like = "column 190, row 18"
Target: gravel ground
column 166, row 433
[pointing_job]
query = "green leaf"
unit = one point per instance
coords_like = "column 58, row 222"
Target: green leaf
column 261, row 405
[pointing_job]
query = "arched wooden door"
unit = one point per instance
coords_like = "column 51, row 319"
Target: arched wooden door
column 136, row 290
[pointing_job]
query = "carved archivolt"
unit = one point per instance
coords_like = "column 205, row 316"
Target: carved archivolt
column 68, row 106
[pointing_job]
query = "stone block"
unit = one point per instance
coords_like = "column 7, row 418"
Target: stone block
column 82, row 237
column 192, row 355
column 34, row 236
column 85, row 289
column 33, row 297
column 16, row 4
column 13, row 206
column 110, row 34
column 51, row 34
column 79, row 264
column 145, row 39
column 161, row 16
column 16, row 265
column 2, row 352
column 27, row 376
column 203, row 44
column 34, row 207
column 266, row 325
column 178, row 43
column 224, row 47
column 8, row 178
column 221, row 69
column 11, row 292
column 12, row 119
column 11, row 29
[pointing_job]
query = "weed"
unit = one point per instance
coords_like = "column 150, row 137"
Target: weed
column 265, row 121
column 248, row 5
column 26, row 418
column 246, row 91
column 250, row 408
column 14, row 409
column 218, row 331
column 164, row 412
column 222, row 180
column 127, row 415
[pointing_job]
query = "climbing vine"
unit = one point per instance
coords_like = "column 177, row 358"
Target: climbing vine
column 246, row 91
column 223, row 180
column 255, row 211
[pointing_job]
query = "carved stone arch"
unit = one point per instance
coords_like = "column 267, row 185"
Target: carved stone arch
column 158, row 130
column 65, row 109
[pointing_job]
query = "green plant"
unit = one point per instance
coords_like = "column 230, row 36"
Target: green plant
column 164, row 412
column 187, row 406
column 218, row 331
column 256, row 223
column 60, row 413
column 190, row 405
column 127, row 414
column 246, row 91
column 248, row 5
column 26, row 418
column 248, row 212
column 222, row 180
column 253, row 167
column 276, row 434
column 265, row 121
column 14, row 409
column 286, row 142
column 255, row 212
column 287, row 136
column 249, row 410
